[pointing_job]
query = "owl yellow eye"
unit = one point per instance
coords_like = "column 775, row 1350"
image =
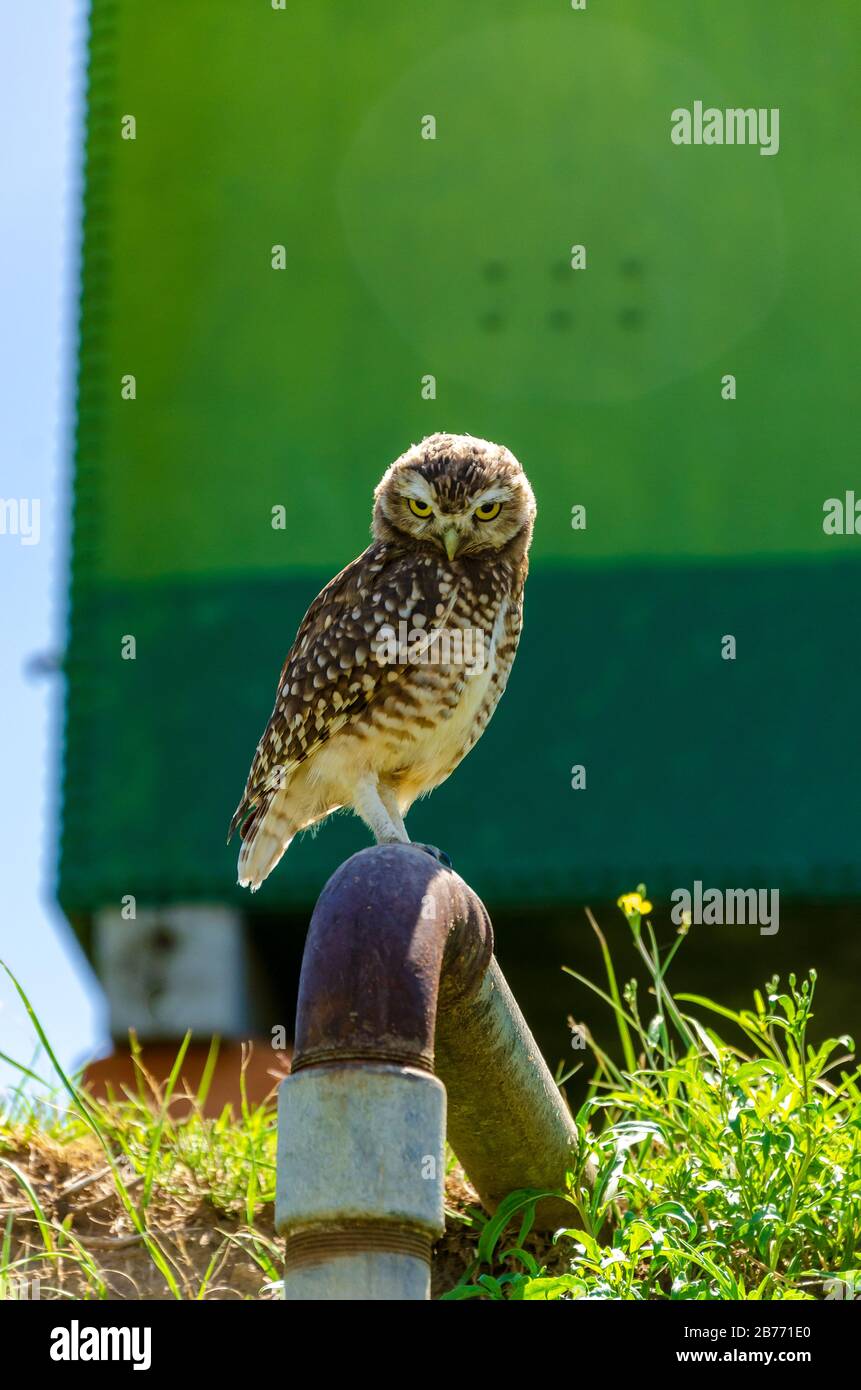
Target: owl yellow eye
column 487, row 511
column 420, row 508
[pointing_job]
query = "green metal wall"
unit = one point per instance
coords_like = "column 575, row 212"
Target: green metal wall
column 258, row 387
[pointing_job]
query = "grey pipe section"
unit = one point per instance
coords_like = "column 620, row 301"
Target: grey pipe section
column 507, row 1122
column 398, row 979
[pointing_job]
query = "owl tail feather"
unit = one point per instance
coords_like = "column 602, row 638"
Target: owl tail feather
column 265, row 836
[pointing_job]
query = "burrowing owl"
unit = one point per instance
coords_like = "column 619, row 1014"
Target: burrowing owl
column 400, row 662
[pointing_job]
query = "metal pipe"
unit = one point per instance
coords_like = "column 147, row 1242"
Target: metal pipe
column 398, row 961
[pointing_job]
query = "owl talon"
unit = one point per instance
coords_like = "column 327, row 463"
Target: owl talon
column 438, row 854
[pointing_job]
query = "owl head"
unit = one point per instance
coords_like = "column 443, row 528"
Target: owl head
column 463, row 495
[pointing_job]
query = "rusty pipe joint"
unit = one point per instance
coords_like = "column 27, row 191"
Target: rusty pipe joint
column 362, row 1117
column 398, row 974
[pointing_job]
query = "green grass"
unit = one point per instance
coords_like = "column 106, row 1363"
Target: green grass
column 729, row 1167
column 158, row 1168
column 727, row 1146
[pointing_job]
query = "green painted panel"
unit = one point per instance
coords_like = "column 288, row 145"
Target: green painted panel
column 259, row 387
column 738, row 773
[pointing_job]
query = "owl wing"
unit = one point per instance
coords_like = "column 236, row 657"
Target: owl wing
column 506, row 651
column 332, row 671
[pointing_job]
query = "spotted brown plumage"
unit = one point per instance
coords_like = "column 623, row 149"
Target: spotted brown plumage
column 401, row 660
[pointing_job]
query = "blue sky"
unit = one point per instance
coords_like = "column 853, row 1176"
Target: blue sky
column 41, row 83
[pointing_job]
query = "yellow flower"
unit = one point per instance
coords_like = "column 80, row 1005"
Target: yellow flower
column 634, row 905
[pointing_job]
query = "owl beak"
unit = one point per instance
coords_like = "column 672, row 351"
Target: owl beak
column 451, row 540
